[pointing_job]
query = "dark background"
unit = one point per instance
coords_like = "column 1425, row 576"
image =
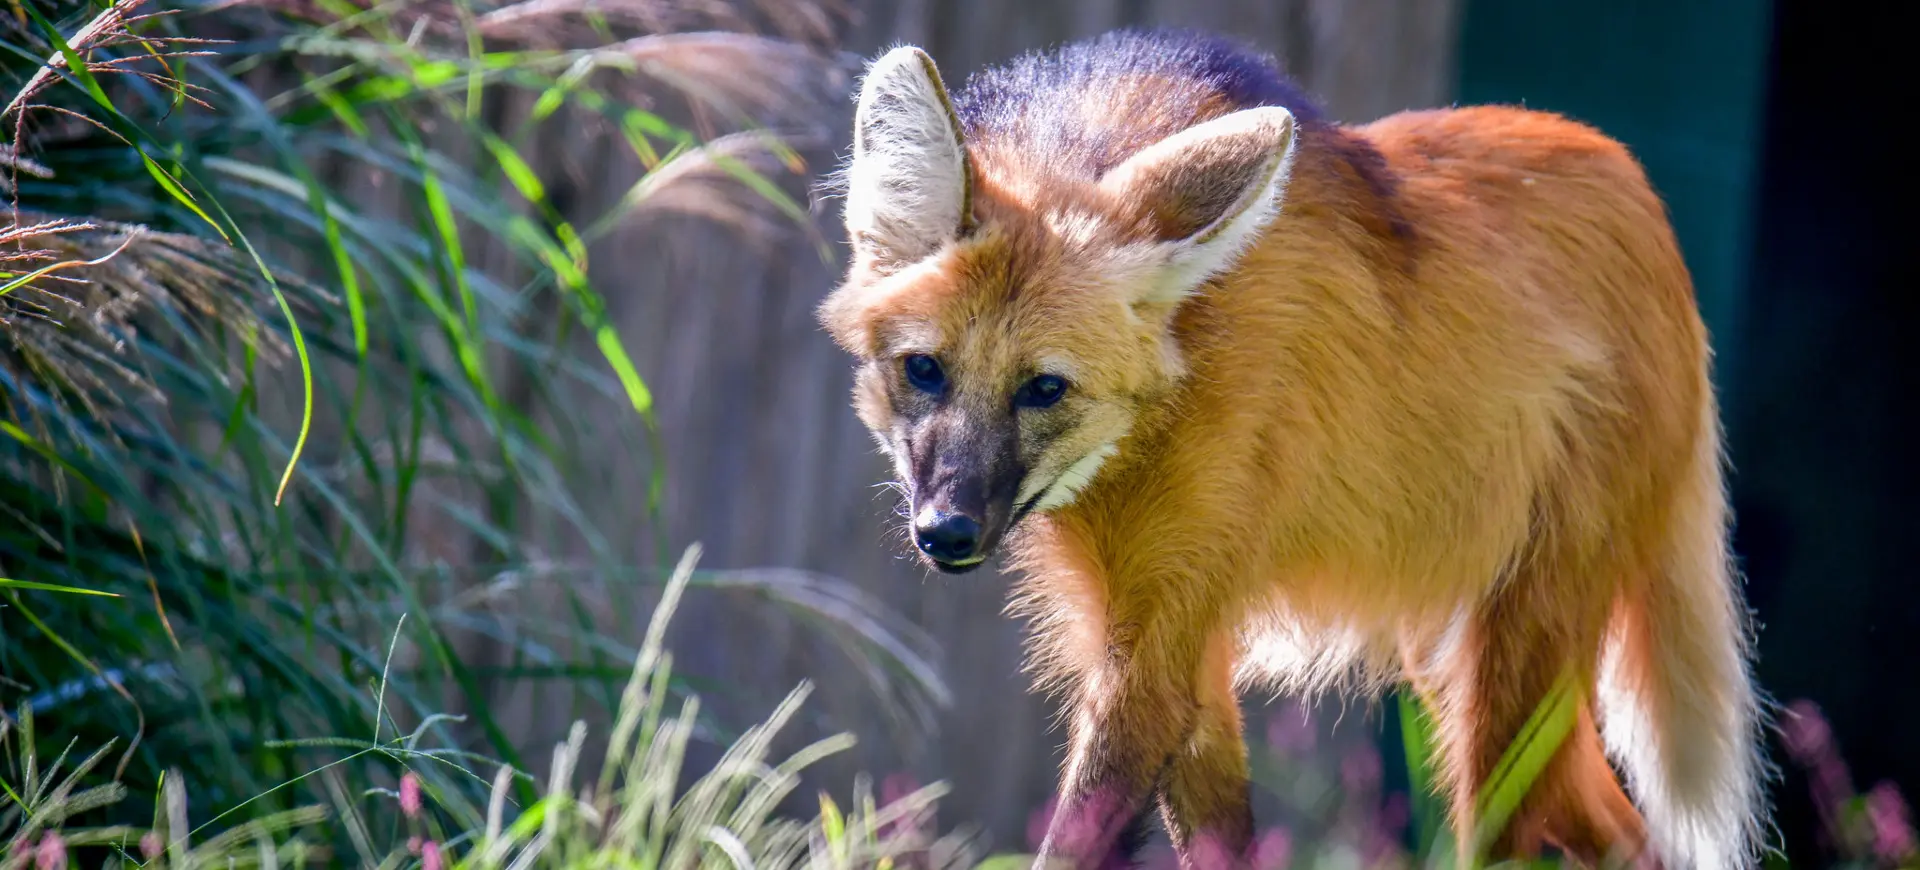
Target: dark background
column 1822, row 443
column 1779, row 150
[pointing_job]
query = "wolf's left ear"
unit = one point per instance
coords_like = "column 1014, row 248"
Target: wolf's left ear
column 1207, row 192
column 909, row 182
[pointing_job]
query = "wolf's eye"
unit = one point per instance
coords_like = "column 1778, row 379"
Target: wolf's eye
column 924, row 373
column 1041, row 392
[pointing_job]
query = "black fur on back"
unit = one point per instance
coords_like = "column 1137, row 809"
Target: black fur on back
column 1088, row 105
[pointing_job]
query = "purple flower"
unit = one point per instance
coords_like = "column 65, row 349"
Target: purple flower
column 430, row 856
column 1274, row 850
column 1887, row 817
column 410, row 794
column 1150, row 858
column 51, row 854
column 1097, row 818
column 1290, row 730
column 896, row 787
column 1360, row 769
column 1395, row 814
column 1037, row 822
column 150, row 845
column 1805, row 732
column 1809, row 739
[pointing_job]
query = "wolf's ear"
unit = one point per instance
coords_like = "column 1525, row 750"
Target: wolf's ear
column 1207, row 192
column 909, row 182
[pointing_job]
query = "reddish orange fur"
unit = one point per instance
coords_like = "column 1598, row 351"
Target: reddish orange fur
column 1447, row 421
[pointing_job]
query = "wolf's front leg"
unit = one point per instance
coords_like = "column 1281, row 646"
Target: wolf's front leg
column 1203, row 798
column 1124, row 735
column 1149, row 718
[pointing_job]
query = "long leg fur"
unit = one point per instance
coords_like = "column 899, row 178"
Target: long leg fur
column 1158, row 716
column 1483, row 683
column 1133, row 714
column 1204, row 799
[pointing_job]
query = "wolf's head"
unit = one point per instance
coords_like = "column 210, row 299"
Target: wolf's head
column 1010, row 321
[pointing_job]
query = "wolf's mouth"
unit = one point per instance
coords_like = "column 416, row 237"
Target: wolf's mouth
column 992, row 539
column 962, row 567
column 1021, row 510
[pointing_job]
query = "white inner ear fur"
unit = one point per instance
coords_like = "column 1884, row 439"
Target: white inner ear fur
column 908, row 180
column 1214, row 152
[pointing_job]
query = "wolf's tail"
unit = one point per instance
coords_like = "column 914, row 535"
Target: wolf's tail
column 1679, row 710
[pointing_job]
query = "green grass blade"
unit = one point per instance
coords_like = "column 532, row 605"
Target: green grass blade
column 1530, row 752
column 10, row 583
column 1417, row 736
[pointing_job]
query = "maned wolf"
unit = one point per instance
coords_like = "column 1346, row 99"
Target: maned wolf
column 1255, row 398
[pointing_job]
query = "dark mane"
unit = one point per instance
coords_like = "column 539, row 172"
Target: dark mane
column 1090, row 104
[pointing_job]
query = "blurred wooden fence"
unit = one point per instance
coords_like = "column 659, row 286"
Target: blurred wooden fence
column 766, row 465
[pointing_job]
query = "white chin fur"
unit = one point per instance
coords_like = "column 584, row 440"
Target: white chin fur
column 1067, row 486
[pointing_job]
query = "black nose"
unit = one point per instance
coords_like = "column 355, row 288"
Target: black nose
column 947, row 537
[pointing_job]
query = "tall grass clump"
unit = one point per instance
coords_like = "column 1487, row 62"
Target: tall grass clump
column 287, row 379
column 634, row 814
column 643, row 810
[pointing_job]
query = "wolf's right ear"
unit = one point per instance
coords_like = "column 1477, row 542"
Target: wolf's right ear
column 909, row 183
column 1207, row 192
